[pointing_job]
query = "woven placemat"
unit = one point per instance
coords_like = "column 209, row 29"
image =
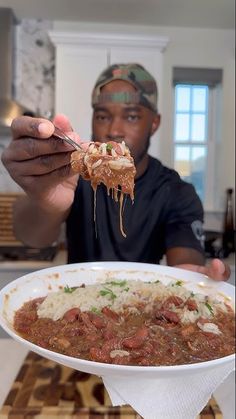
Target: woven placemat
column 44, row 389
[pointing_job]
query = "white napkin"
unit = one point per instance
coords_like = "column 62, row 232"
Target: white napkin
column 178, row 397
column 225, row 396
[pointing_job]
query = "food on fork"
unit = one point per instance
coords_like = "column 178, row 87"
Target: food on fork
column 108, row 163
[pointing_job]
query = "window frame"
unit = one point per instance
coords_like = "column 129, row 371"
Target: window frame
column 213, row 132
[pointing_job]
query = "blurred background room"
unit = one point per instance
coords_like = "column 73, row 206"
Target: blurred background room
column 51, row 54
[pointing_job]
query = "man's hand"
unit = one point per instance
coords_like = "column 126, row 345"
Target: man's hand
column 40, row 164
column 217, row 269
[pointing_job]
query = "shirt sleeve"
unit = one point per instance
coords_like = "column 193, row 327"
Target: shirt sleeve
column 184, row 221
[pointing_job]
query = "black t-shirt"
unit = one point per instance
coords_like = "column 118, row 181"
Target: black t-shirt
column 166, row 213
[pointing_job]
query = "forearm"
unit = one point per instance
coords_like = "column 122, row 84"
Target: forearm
column 34, row 226
column 181, row 255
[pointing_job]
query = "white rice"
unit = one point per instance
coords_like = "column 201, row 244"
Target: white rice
column 118, row 295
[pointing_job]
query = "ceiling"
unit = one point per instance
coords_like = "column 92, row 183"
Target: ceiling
column 182, row 13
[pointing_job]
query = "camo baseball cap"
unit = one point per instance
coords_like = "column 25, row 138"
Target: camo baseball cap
column 146, row 88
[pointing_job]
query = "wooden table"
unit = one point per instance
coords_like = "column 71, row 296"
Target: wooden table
column 43, row 389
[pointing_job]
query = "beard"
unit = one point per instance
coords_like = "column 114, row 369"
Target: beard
column 138, row 156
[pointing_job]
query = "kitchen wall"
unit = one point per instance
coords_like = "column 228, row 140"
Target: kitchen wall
column 34, row 81
column 34, row 78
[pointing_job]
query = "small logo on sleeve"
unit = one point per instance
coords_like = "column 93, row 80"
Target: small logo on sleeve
column 197, row 228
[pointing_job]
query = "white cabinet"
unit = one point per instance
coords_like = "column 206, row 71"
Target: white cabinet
column 81, row 57
column 76, row 71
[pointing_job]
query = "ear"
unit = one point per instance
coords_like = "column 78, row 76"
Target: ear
column 155, row 123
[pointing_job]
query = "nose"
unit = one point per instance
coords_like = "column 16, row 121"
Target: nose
column 115, row 131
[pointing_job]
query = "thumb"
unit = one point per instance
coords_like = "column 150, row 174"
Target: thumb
column 219, row 270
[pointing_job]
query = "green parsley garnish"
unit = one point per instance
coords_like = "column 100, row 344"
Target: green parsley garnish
column 68, row 289
column 109, row 293
column 192, row 294
column 209, row 308
column 118, row 283
column 178, row 283
column 109, row 147
column 95, row 310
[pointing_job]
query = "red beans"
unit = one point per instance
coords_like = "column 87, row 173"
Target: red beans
column 137, row 340
column 99, row 355
column 114, row 343
column 98, row 321
column 72, row 315
column 167, row 315
column 173, row 300
column 110, row 313
column 191, row 304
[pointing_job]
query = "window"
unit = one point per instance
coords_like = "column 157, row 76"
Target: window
column 195, row 117
column 191, row 134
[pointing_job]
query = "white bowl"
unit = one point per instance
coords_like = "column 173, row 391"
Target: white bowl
column 40, row 283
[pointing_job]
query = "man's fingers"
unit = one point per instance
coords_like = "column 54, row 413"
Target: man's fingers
column 195, row 268
column 62, row 122
column 217, row 270
column 41, row 165
column 26, row 126
column 30, row 148
column 43, row 182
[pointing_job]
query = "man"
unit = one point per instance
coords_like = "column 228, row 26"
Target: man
column 166, row 217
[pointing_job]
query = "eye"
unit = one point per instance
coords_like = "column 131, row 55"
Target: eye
column 101, row 117
column 133, row 117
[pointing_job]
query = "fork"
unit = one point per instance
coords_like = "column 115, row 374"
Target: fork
column 58, row 133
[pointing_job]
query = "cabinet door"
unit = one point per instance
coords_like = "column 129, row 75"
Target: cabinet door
column 151, row 59
column 77, row 69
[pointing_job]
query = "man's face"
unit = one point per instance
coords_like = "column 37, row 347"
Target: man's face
column 131, row 123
